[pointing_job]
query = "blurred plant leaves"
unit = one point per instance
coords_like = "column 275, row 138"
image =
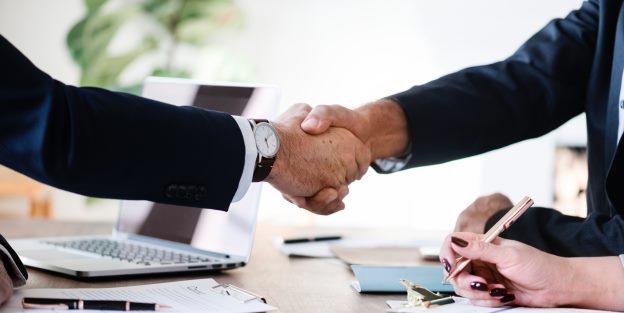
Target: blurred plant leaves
column 190, row 22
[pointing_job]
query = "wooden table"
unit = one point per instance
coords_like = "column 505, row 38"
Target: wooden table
column 291, row 284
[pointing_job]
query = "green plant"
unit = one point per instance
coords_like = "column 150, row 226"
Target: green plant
column 165, row 26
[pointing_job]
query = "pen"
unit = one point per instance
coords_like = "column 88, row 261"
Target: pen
column 75, row 304
column 438, row 302
column 312, row 239
column 500, row 226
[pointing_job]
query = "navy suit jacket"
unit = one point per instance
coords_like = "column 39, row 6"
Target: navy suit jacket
column 573, row 65
column 114, row 145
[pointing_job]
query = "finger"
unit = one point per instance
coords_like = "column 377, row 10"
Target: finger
column 300, row 110
column 488, row 303
column 363, row 159
column 343, row 191
column 333, row 207
column 471, row 286
column 472, row 247
column 318, row 203
column 324, row 116
column 447, row 252
column 298, row 201
column 336, row 205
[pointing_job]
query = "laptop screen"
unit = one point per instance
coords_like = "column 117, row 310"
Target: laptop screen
column 228, row 232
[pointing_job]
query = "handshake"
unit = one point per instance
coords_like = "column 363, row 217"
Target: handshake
column 325, row 149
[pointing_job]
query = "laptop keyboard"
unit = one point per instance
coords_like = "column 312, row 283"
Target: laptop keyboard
column 131, row 252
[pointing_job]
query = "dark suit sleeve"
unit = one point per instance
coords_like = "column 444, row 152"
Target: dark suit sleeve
column 541, row 86
column 563, row 235
column 114, row 145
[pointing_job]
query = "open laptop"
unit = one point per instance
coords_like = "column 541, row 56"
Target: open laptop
column 143, row 239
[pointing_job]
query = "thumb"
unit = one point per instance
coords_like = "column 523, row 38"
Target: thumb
column 298, row 111
column 324, row 116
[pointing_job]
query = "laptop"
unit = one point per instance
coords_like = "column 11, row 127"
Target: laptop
column 142, row 240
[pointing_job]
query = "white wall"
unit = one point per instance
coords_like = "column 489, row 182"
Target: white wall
column 350, row 52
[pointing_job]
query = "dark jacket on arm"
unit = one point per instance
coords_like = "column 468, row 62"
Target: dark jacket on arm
column 114, row 145
column 573, row 65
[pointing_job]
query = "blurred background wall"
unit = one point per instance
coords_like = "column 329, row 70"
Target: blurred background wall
column 324, row 52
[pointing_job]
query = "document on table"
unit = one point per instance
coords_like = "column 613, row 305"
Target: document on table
column 462, row 305
column 200, row 295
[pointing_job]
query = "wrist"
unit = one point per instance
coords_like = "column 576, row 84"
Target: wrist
column 388, row 135
column 593, row 282
column 565, row 288
column 280, row 158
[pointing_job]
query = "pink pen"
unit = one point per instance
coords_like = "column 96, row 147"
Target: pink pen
column 504, row 223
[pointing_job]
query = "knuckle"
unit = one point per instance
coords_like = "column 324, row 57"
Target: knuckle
column 322, row 109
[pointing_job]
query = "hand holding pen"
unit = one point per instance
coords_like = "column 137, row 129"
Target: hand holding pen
column 505, row 222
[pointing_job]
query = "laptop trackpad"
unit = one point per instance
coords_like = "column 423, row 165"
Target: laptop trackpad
column 50, row 254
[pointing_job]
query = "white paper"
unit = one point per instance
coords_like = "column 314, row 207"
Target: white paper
column 462, row 305
column 182, row 296
column 322, row 249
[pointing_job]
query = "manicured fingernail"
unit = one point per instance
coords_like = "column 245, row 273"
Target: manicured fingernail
column 460, row 242
column 478, row 286
column 507, row 298
column 447, row 265
column 498, row 292
column 310, row 123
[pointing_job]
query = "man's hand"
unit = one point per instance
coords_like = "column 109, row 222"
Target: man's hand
column 474, row 217
column 380, row 125
column 310, row 164
column 6, row 285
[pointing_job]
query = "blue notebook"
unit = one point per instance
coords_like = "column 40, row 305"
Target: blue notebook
column 379, row 278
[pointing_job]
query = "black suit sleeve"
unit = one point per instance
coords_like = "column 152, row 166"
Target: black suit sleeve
column 114, row 145
column 12, row 263
column 564, row 235
column 542, row 85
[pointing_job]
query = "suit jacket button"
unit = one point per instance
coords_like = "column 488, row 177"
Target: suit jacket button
column 181, row 192
column 171, row 191
column 201, row 193
column 191, row 192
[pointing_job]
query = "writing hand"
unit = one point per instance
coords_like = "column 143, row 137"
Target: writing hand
column 474, row 217
column 306, row 163
column 505, row 272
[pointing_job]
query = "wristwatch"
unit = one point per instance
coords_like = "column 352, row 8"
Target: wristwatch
column 267, row 143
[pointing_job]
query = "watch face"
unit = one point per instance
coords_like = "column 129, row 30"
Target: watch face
column 267, row 141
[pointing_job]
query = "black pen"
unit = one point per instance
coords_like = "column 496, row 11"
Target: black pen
column 75, row 304
column 312, row 239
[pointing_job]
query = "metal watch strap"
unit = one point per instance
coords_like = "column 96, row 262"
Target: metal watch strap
column 263, row 165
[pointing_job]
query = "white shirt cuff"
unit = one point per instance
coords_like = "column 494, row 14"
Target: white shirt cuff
column 394, row 164
column 251, row 153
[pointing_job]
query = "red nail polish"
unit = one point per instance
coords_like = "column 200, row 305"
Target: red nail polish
column 508, row 298
column 460, row 242
column 478, row 286
column 498, row 292
column 447, row 265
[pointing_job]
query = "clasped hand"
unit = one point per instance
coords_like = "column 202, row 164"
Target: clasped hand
column 313, row 170
column 330, row 146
